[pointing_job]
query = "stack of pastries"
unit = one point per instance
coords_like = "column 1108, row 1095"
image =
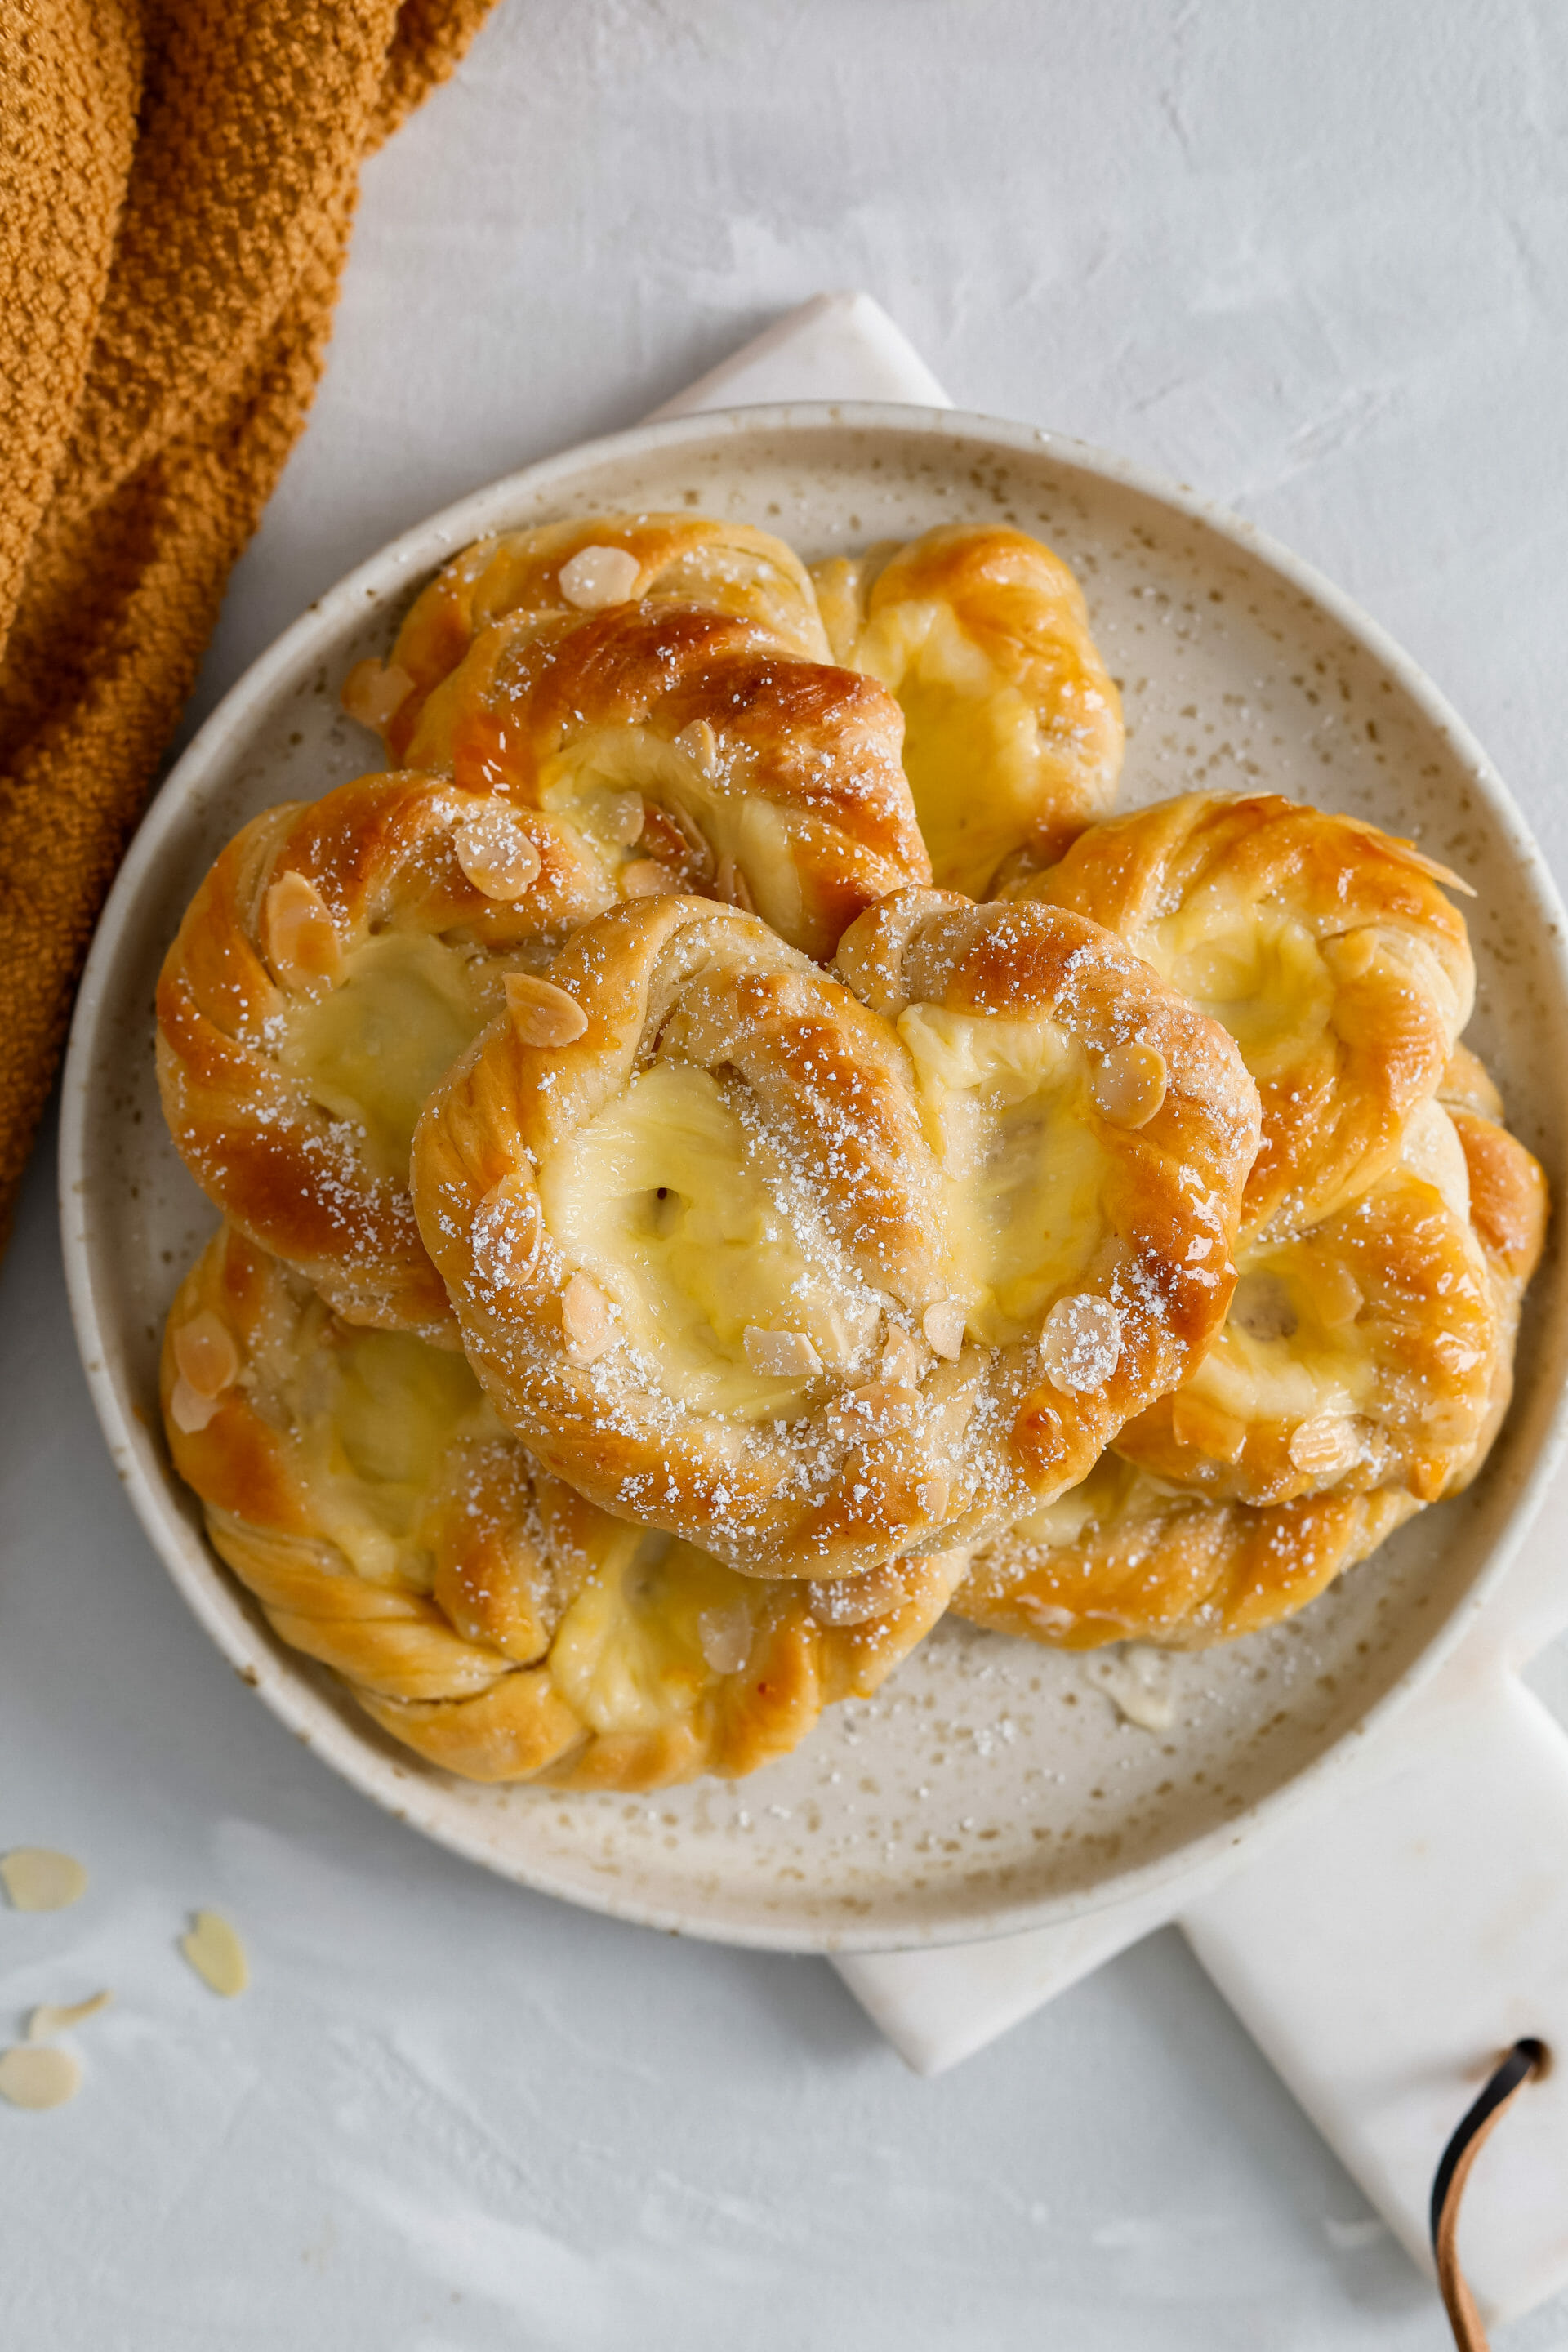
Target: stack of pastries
column 727, row 1151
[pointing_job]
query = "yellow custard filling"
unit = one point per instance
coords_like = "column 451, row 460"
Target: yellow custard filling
column 1257, row 970
column 704, row 781
column 648, row 1633
column 372, row 1049
column 679, row 1214
column 1007, row 1108
column 972, row 741
column 379, row 1414
column 1276, row 1358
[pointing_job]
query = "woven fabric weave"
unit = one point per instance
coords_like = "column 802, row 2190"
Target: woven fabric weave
column 177, row 181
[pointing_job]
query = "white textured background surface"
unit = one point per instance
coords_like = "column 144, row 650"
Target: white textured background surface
column 1313, row 260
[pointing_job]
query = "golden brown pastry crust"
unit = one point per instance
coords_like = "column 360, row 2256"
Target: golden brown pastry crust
column 483, row 1614
column 376, row 861
column 1510, row 1210
column 1328, row 945
column 679, row 560
column 1360, row 1353
column 1014, row 733
column 907, row 1432
column 1134, row 1557
column 750, row 775
column 1174, row 1569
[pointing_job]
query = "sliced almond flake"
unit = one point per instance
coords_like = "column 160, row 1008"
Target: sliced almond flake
column 625, row 818
column 39, row 1879
column 585, row 1319
column 700, row 744
column 931, row 1495
column 38, row 2076
column 779, row 1355
column 189, row 1411
column 1130, row 1083
column 496, row 855
column 725, row 1636
column 375, row 692
column 50, row 2017
column 205, row 1354
column 598, row 576
column 1336, row 1294
column 301, row 937
column 216, row 1954
column 902, row 1362
column 542, row 1014
column 942, row 1324
column 1080, row 1343
column 645, row 878
column 1324, row 1443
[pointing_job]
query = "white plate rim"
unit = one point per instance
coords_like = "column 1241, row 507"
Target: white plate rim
column 202, row 1584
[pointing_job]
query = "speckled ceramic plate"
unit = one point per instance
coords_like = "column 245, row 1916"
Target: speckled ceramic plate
column 992, row 1785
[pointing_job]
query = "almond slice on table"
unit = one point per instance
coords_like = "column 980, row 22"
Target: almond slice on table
column 39, row 2075
column 50, row 2017
column 36, row 1878
column 216, row 1954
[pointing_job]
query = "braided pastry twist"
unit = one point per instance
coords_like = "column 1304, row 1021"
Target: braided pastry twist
column 691, row 742
column 359, row 1486
column 335, row 961
column 1012, row 725
column 710, row 1250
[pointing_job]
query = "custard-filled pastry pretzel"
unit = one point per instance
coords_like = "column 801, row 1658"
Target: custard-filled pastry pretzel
column 1125, row 1558
column 359, row 1486
column 697, row 752
column 1014, row 733
column 1131, row 1556
column 585, row 566
column 1328, row 949
column 336, row 959
column 722, row 1260
column 1360, row 1350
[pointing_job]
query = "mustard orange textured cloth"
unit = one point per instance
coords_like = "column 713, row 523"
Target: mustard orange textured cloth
column 177, row 179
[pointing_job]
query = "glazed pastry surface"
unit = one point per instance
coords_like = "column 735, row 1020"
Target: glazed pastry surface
column 1014, row 734
column 360, row 1486
column 820, row 1281
column 1327, row 948
column 677, row 560
column 1132, row 1555
column 337, row 959
column 688, row 732
column 1392, row 1224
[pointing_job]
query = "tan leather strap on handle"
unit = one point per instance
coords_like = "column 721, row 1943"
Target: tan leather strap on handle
column 1526, row 2059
